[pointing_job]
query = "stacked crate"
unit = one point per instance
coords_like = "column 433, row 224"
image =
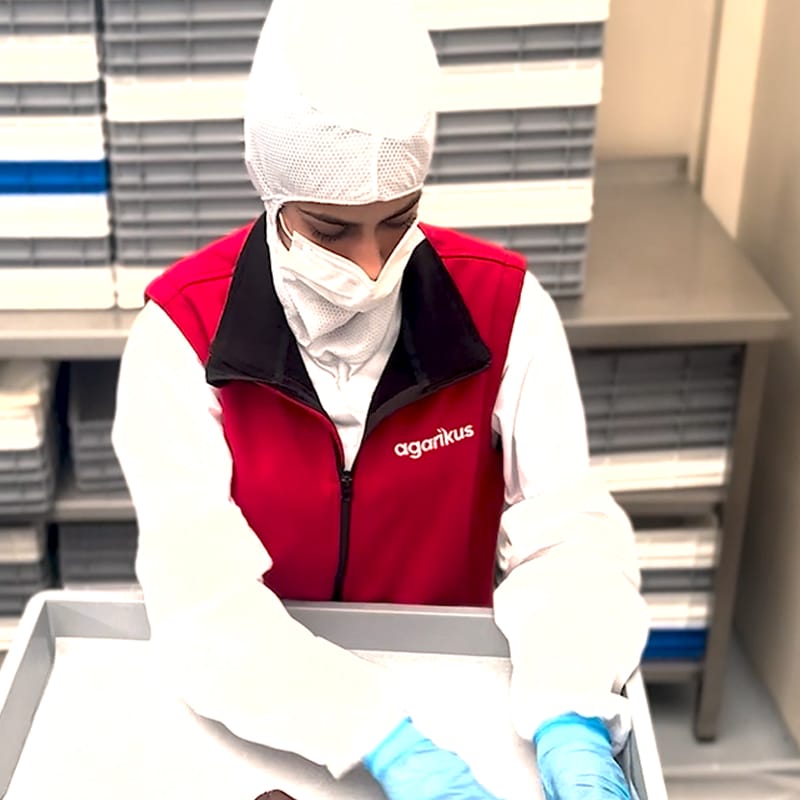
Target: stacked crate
column 658, row 420
column 678, row 558
column 54, row 221
column 28, row 460
column 513, row 160
column 27, row 485
column 92, row 400
column 97, row 554
column 24, row 570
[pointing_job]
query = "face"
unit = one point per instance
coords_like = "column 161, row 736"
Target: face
column 365, row 234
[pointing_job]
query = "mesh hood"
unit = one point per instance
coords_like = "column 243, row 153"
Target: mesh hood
column 340, row 103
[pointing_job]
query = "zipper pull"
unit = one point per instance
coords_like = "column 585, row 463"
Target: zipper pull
column 346, row 483
column 346, row 480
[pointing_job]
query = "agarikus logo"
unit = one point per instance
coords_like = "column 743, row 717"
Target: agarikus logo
column 443, row 438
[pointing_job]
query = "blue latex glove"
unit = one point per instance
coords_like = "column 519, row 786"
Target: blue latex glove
column 576, row 762
column 410, row 766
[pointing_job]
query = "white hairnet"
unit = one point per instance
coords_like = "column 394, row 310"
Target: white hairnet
column 340, row 103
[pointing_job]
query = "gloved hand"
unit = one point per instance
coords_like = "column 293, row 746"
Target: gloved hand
column 576, row 762
column 410, row 766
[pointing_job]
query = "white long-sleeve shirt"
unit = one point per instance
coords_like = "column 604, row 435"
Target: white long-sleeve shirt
column 569, row 604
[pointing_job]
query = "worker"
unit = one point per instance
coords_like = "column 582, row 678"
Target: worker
column 338, row 401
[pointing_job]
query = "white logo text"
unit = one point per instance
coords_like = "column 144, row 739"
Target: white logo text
column 443, row 438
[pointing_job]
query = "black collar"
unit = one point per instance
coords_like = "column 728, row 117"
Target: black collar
column 438, row 343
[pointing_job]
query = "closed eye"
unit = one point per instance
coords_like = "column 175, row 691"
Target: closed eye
column 324, row 236
column 403, row 223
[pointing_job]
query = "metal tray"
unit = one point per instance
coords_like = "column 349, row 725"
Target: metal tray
column 83, row 715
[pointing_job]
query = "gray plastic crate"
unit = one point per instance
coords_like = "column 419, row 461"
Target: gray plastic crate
column 17, row 461
column 494, row 145
column 660, row 437
column 50, row 99
column 176, row 137
column 196, row 48
column 660, row 398
column 90, row 571
column 555, row 254
column 97, row 482
column 125, row 12
column 183, row 208
column 156, row 247
column 116, row 551
column 103, row 469
column 94, row 443
column 190, row 39
column 158, row 173
column 655, row 366
column 97, row 487
column 519, row 43
column 556, row 138
column 24, row 17
column 677, row 580
column 100, row 531
column 92, row 400
column 93, row 454
column 663, row 398
column 30, row 492
column 13, row 576
column 14, row 605
column 103, row 551
column 31, row 477
column 96, row 535
column 55, row 252
column 35, row 497
column 90, row 414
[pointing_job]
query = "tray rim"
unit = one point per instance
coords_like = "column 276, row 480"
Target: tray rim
column 57, row 613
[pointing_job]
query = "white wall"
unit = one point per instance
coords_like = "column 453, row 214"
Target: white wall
column 731, row 109
column 768, row 611
column 657, row 55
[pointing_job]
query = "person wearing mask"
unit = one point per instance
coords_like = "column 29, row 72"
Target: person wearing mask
column 340, row 402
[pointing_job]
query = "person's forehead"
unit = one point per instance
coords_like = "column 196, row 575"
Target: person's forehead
column 361, row 213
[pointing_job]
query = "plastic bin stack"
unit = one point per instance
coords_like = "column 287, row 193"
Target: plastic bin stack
column 678, row 558
column 97, row 554
column 24, row 571
column 663, row 419
column 27, row 440
column 660, row 419
column 513, row 161
column 54, row 221
column 92, row 400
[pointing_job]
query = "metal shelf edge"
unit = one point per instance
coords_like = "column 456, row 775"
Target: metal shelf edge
column 671, row 671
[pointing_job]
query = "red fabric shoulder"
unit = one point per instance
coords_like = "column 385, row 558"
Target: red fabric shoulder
column 452, row 244
column 194, row 289
column 217, row 259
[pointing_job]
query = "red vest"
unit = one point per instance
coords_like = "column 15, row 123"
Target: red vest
column 416, row 519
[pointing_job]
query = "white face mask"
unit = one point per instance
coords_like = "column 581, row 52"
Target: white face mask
column 335, row 311
column 338, row 279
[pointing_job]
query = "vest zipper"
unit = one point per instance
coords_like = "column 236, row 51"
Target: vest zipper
column 346, row 483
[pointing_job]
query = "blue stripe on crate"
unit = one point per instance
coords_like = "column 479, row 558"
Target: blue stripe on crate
column 53, row 177
column 676, row 644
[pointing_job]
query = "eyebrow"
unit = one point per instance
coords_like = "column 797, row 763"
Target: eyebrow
column 334, row 221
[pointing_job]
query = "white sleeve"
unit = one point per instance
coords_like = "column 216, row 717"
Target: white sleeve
column 569, row 603
column 225, row 640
